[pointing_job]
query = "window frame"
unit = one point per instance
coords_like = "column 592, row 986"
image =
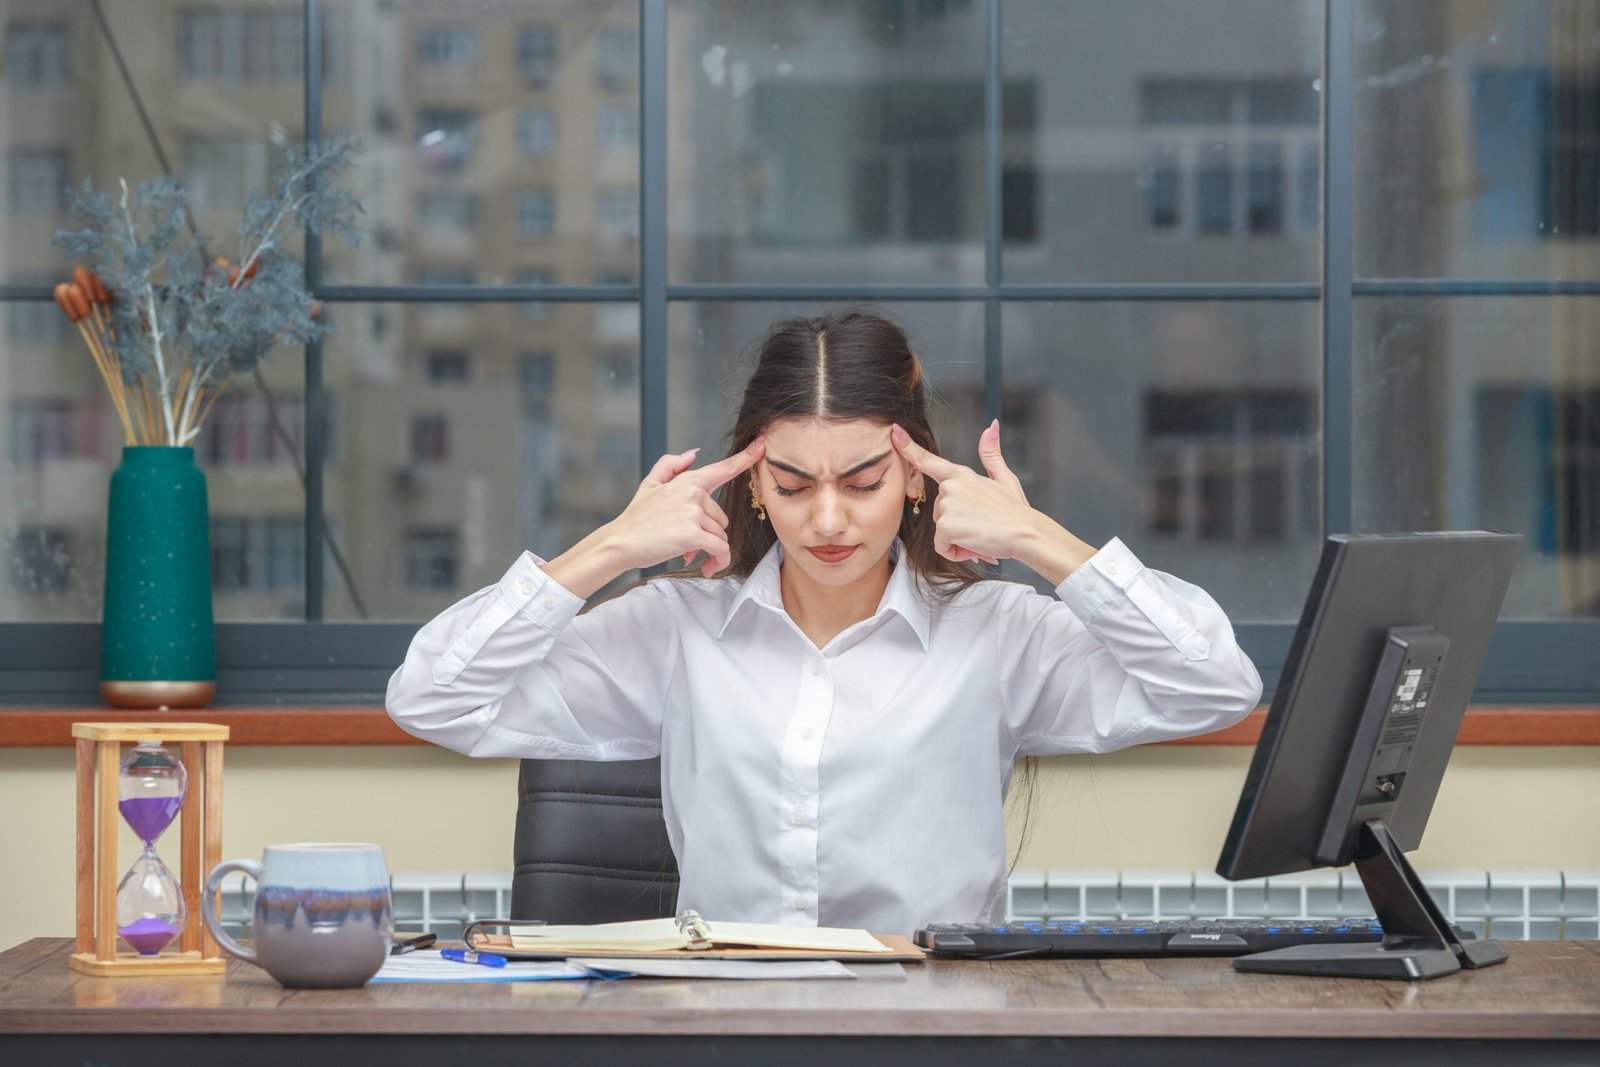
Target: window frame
column 1530, row 661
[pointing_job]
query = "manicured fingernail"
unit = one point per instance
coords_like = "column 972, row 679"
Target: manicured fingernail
column 899, row 435
column 761, row 439
column 690, row 454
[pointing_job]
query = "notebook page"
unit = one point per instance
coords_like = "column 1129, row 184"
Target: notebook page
column 818, row 938
column 643, row 935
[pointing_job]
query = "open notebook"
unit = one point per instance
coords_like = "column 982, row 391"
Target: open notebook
column 690, row 935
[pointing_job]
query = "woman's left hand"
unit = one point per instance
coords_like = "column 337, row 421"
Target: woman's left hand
column 989, row 518
column 975, row 517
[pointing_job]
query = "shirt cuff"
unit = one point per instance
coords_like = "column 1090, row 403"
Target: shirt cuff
column 1104, row 575
column 536, row 595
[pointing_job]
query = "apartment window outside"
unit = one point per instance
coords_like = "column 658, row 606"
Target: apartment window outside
column 431, row 558
column 536, row 131
column 536, row 212
column 240, row 45
column 617, row 371
column 41, row 560
column 444, row 274
column 447, row 368
column 257, row 553
column 430, row 438
column 536, row 55
column 616, row 57
column 221, row 170
column 617, row 213
column 447, row 44
column 36, row 322
column 36, row 53
column 1230, row 466
column 38, row 178
column 617, row 129
column 447, row 209
column 446, row 137
column 536, row 310
column 239, row 431
column 1230, row 158
column 52, row 428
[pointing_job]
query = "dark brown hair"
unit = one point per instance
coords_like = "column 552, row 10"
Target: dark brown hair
column 847, row 363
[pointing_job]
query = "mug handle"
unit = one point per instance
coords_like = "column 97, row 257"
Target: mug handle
column 208, row 905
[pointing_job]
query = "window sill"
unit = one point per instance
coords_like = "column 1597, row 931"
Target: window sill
column 353, row 725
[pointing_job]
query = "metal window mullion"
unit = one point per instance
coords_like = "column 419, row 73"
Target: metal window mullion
column 994, row 217
column 312, row 424
column 652, row 231
column 1338, row 410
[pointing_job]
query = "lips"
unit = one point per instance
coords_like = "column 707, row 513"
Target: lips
column 833, row 553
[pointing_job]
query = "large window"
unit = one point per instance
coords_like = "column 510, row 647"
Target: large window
column 1232, row 275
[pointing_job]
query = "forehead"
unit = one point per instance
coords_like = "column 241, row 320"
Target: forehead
column 825, row 446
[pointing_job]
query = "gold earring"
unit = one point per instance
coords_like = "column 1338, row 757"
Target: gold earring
column 916, row 505
column 755, row 501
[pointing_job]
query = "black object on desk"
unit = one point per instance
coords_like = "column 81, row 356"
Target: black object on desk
column 408, row 941
column 1362, row 723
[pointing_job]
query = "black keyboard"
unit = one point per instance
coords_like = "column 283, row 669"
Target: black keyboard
column 1131, row 937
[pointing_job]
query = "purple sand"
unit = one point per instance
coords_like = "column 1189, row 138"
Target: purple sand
column 148, row 935
column 149, row 816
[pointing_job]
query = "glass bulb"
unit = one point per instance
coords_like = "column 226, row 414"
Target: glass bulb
column 150, row 907
column 151, row 783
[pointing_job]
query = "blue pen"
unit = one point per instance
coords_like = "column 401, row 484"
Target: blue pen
column 467, row 955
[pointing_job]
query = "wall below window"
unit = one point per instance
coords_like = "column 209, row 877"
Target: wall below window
column 1521, row 806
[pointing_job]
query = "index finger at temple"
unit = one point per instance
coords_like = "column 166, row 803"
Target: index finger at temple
column 715, row 474
column 936, row 467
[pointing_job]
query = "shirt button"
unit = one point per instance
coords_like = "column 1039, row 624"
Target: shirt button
column 799, row 817
column 800, row 903
column 1090, row 585
column 549, row 601
column 1111, row 568
column 525, row 587
column 816, row 666
column 807, row 734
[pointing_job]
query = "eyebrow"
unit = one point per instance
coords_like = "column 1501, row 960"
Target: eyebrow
column 853, row 471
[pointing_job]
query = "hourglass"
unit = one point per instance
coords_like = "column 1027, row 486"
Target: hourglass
column 147, row 787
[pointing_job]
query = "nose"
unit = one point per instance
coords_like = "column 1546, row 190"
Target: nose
column 828, row 517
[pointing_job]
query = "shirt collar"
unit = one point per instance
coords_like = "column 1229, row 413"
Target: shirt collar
column 901, row 596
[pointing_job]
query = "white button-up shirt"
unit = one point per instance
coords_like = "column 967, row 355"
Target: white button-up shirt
column 860, row 784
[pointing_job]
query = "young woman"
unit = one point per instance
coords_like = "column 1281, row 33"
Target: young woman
column 837, row 697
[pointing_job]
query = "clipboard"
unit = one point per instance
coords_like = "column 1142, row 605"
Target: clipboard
column 476, row 937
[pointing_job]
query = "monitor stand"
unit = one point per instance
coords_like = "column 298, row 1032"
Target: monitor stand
column 1418, row 942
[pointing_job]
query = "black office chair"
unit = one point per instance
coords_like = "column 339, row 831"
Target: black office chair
column 591, row 845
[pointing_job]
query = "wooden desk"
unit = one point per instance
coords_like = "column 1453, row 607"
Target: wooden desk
column 1541, row 1007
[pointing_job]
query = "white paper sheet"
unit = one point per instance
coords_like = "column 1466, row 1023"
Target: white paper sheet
column 739, row 969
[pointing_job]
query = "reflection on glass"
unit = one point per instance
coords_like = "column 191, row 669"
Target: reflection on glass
column 825, row 142
column 501, row 135
column 1163, row 141
column 714, row 346
column 1477, row 135
column 223, row 85
column 1190, row 430
column 461, row 440
column 1485, row 413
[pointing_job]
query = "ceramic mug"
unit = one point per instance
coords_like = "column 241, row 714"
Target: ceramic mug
column 323, row 917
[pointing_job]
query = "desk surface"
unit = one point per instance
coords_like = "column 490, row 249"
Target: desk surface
column 1548, row 989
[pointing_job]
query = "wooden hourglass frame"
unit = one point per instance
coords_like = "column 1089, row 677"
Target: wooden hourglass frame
column 99, row 757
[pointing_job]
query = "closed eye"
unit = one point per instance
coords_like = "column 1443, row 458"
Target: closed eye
column 853, row 488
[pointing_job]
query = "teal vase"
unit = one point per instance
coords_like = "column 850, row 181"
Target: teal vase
column 157, row 644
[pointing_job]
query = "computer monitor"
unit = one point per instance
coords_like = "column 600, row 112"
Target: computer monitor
column 1362, row 722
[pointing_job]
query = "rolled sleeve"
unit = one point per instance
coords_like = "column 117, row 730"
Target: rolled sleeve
column 514, row 670
column 1125, row 655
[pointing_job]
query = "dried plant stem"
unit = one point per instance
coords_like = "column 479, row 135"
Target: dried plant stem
column 113, row 380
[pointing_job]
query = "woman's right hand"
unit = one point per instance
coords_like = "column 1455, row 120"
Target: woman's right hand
column 673, row 514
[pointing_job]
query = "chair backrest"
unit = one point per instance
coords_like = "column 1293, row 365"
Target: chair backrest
column 591, row 844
